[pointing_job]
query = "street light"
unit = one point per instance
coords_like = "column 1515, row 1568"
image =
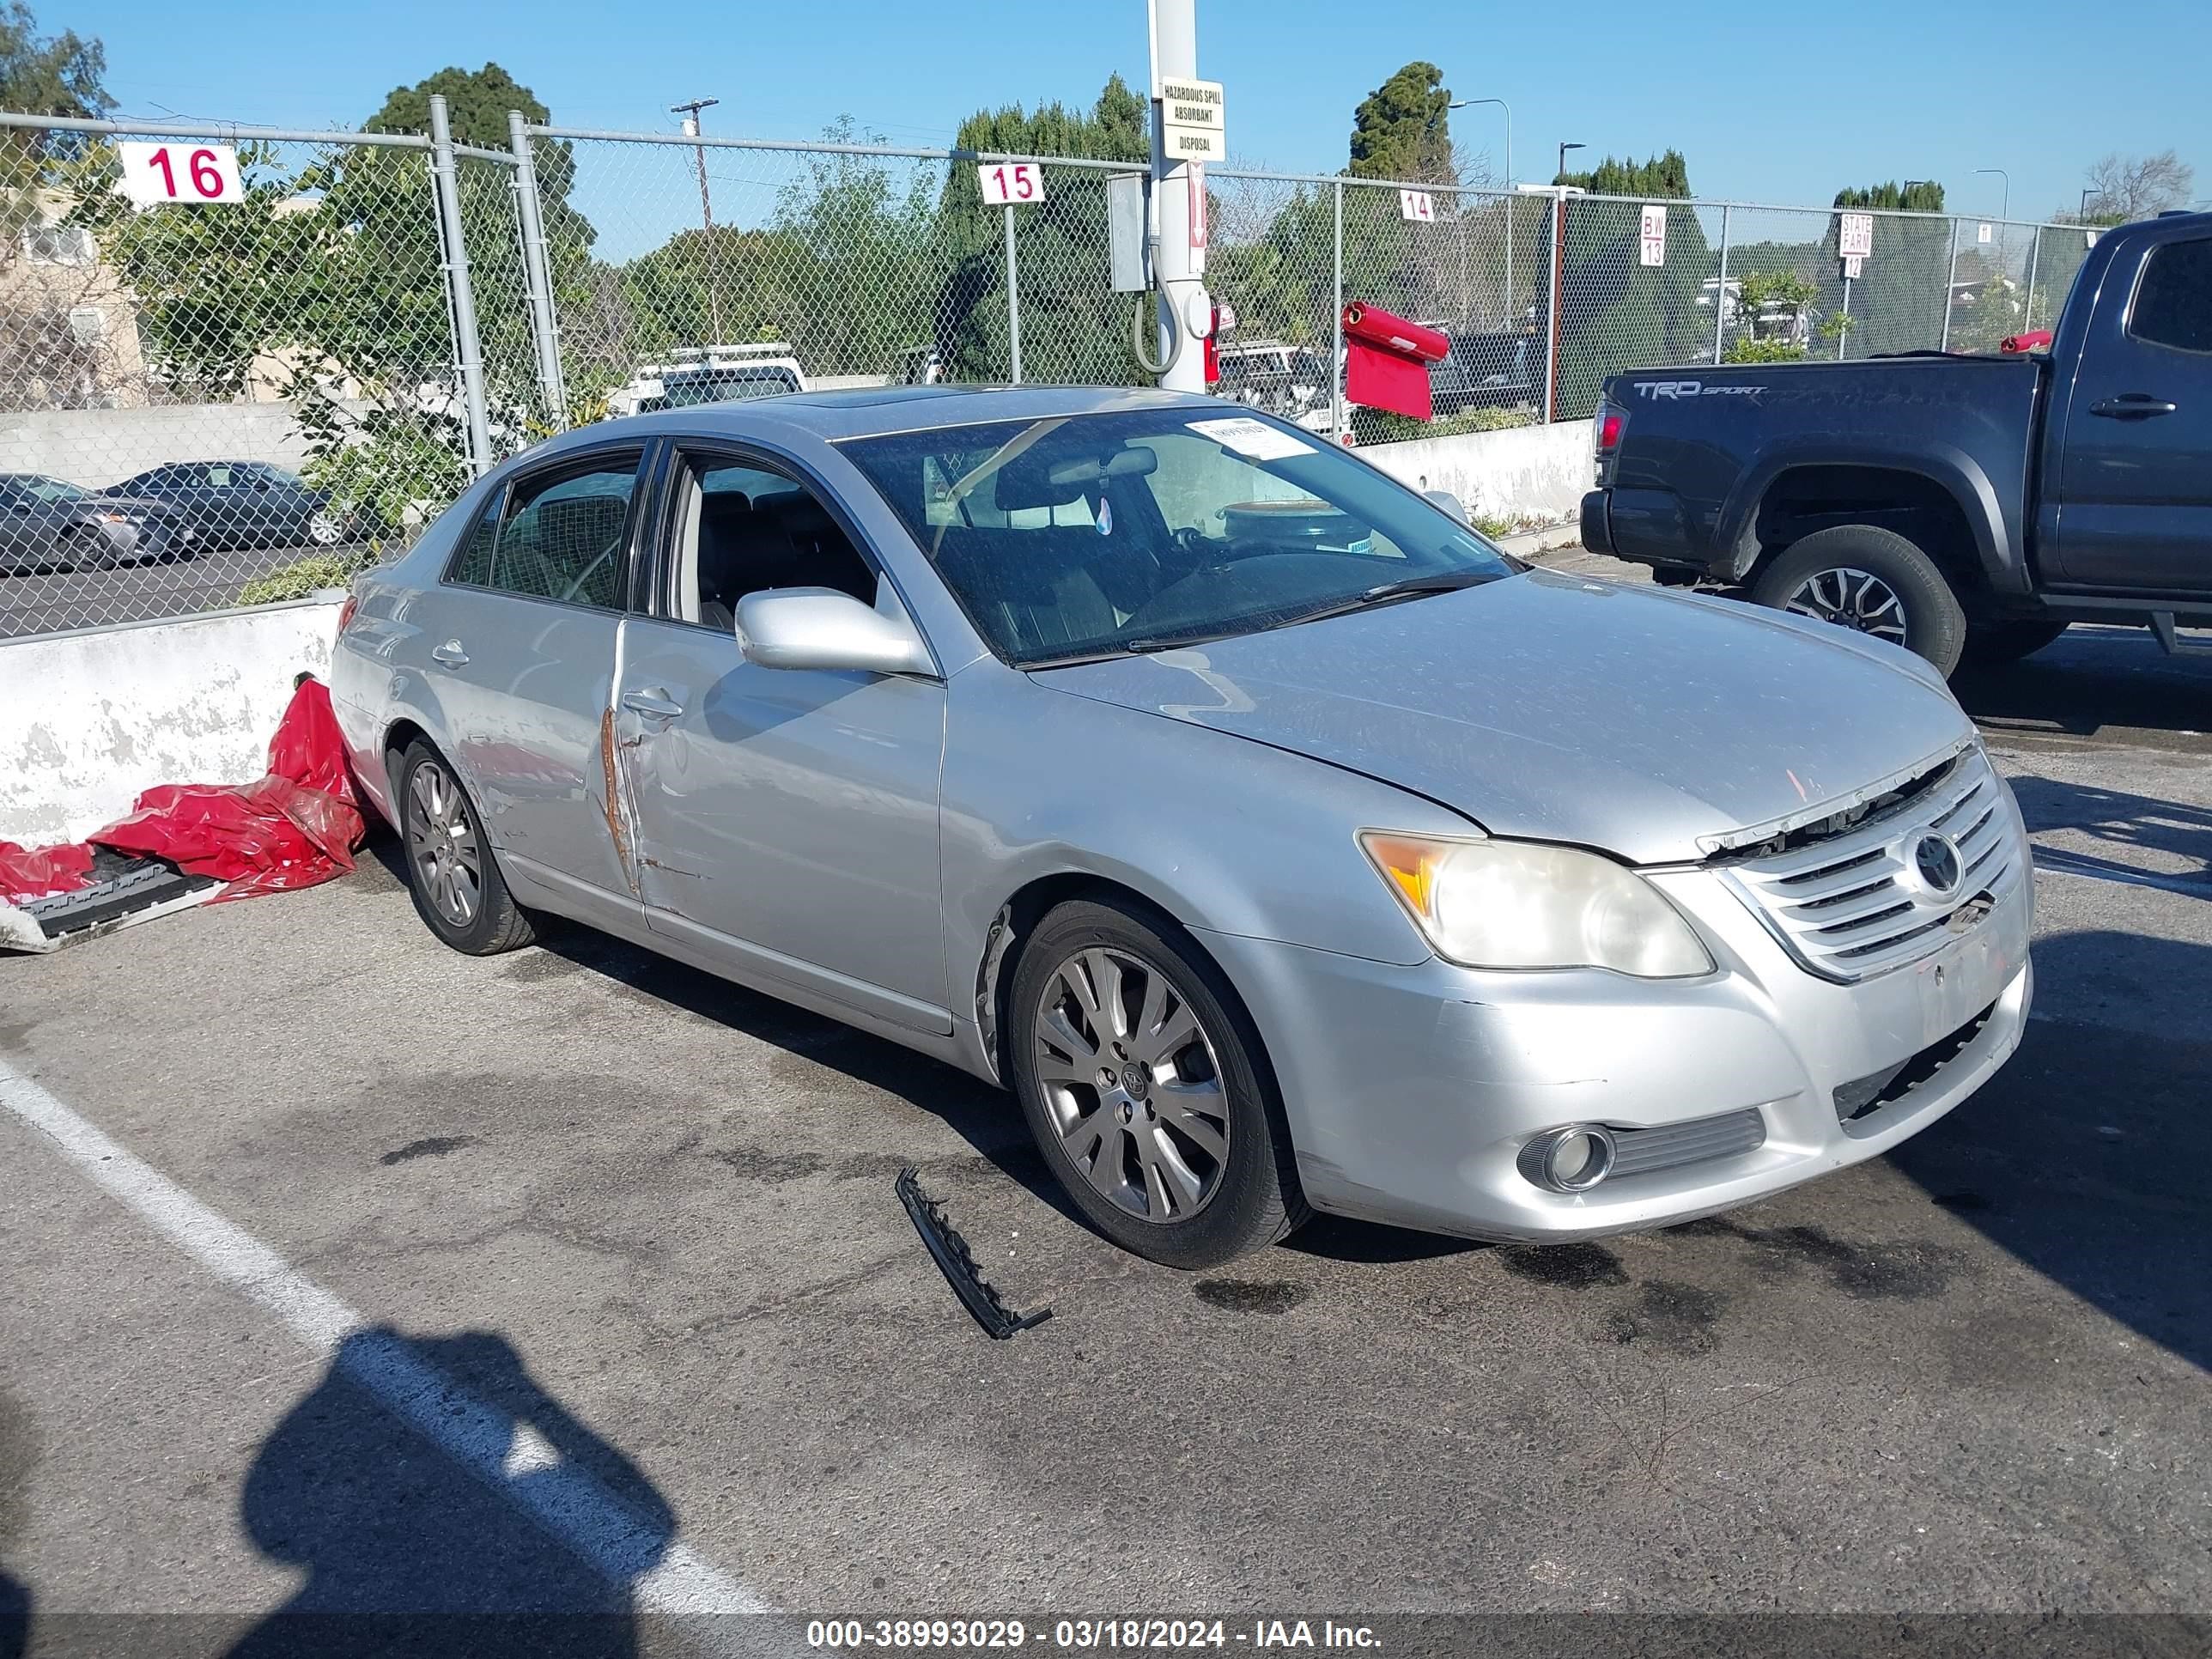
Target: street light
column 1469, row 103
column 1561, row 175
column 2004, row 202
column 1505, row 301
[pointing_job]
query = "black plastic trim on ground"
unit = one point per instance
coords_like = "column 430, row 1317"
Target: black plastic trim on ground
column 950, row 1253
column 122, row 886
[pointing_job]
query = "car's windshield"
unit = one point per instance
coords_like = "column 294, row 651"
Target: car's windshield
column 49, row 489
column 1089, row 535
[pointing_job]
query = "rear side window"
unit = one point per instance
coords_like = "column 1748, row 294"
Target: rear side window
column 558, row 536
column 2174, row 306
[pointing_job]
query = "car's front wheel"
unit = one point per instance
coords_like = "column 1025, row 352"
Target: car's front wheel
column 1872, row 580
column 1146, row 1088
column 456, row 885
column 324, row 531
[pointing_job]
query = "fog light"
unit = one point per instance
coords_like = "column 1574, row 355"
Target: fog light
column 1570, row 1160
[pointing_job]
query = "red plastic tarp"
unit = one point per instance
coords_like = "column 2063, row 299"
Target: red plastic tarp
column 294, row 827
column 1387, row 360
column 26, row 874
column 2034, row 340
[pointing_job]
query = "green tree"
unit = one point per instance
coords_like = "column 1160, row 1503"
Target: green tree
column 1663, row 178
column 1899, row 299
column 1073, row 328
column 1402, row 130
column 1617, row 312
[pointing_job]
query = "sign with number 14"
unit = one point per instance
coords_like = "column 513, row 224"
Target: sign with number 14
column 152, row 173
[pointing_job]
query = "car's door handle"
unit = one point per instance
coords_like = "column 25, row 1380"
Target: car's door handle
column 2131, row 406
column 450, row 653
column 653, row 701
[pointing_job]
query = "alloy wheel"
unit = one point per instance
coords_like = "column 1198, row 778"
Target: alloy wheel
column 1850, row 599
column 443, row 844
column 1131, row 1082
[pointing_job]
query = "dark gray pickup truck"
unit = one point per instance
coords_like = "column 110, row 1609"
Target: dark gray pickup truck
column 1966, row 507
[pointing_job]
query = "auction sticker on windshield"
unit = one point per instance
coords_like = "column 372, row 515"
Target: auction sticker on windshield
column 1254, row 439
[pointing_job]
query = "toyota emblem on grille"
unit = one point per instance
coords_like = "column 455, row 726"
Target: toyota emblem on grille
column 1936, row 861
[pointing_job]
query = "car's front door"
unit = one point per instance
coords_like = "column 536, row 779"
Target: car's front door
column 2135, row 494
column 521, row 639
column 786, row 819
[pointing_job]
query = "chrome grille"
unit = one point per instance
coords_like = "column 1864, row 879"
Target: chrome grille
column 1859, row 904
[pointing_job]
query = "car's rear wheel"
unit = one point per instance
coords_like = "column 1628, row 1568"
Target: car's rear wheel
column 1147, row 1089
column 324, row 531
column 1999, row 643
column 455, row 881
column 1872, row 581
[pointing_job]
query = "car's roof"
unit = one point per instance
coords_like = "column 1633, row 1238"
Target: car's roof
column 868, row 411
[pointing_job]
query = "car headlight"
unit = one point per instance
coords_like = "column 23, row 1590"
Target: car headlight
column 1523, row 904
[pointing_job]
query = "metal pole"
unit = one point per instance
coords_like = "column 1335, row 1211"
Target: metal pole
column 468, row 354
column 1950, row 277
column 1842, row 332
column 1179, row 268
column 1013, row 298
column 1336, row 325
column 544, row 325
column 1512, row 317
column 694, row 125
column 1559, row 290
column 1720, row 292
column 2034, row 253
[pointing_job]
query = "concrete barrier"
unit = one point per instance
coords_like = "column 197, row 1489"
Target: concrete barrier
column 97, row 448
column 89, row 719
column 1532, row 473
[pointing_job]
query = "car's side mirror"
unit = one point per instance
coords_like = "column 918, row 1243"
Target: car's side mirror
column 820, row 627
column 1449, row 502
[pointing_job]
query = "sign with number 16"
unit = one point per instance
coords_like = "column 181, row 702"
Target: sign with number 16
column 152, row 173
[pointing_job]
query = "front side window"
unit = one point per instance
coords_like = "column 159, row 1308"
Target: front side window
column 1091, row 535
column 742, row 528
column 2174, row 306
column 558, row 536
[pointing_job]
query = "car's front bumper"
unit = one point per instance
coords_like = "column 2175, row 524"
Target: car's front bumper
column 1412, row 1091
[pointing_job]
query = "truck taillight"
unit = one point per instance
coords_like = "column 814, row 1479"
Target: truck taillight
column 1608, row 422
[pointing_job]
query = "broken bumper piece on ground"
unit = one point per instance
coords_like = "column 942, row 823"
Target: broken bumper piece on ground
column 950, row 1253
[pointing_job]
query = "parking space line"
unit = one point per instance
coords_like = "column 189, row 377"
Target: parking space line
column 572, row 1505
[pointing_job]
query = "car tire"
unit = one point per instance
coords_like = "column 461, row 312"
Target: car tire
column 1189, row 1173
column 1873, row 580
column 1997, row 643
column 451, row 872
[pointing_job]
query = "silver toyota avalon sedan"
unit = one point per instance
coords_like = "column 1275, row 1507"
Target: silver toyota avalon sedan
column 1281, row 844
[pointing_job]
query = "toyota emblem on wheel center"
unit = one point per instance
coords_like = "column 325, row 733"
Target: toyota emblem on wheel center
column 1936, row 861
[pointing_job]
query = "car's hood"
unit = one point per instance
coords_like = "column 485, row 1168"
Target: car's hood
column 1546, row 707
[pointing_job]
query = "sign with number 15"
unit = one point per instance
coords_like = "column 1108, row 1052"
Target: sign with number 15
column 152, row 173
column 1009, row 184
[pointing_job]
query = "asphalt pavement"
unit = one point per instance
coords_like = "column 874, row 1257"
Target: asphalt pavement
column 47, row 602
column 327, row 1210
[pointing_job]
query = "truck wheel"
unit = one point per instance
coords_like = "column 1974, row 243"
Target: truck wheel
column 2004, row 642
column 1873, row 580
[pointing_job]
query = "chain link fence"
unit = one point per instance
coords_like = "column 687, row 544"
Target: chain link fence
column 210, row 405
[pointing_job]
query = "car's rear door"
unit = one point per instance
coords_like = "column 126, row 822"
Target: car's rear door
column 786, row 819
column 521, row 639
column 2133, row 507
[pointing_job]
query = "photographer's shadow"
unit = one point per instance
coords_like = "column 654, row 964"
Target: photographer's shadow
column 408, row 1543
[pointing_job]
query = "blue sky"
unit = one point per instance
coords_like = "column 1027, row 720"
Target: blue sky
column 1775, row 102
